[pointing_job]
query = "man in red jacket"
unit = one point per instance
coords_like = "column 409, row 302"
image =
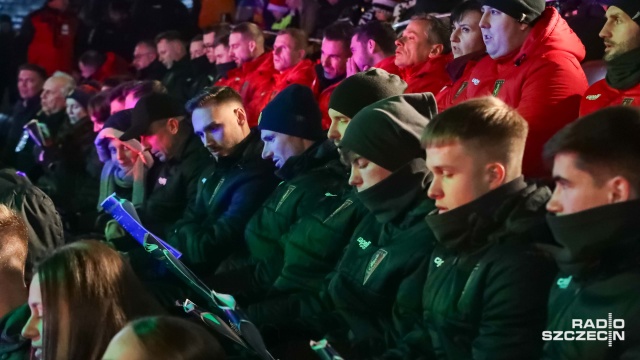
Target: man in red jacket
column 422, row 53
column 291, row 67
column 332, row 69
column 621, row 34
column 533, row 66
column 255, row 66
column 373, row 45
column 50, row 34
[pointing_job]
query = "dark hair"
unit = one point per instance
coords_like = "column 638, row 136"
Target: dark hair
column 141, row 88
column 119, row 92
column 35, row 68
column 197, row 38
column 213, row 96
column 299, row 37
column 14, row 240
column 148, row 43
column 487, row 124
column 164, row 337
column 99, row 107
column 463, row 8
column 249, row 31
column 438, row 31
column 605, row 142
column 221, row 40
column 171, row 35
column 92, row 58
column 219, row 30
column 113, row 81
column 101, row 295
column 381, row 33
column 340, row 31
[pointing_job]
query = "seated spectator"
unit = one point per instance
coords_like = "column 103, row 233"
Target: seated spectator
column 373, row 45
column 117, row 97
column 145, row 61
column 230, row 192
column 587, row 18
column 621, row 36
column 289, row 51
column 163, row 337
column 138, row 89
column 255, row 66
column 534, row 59
column 422, row 53
column 200, row 63
column 78, row 102
column 61, row 325
column 14, row 312
column 224, row 62
column 594, row 220
column 196, row 47
column 172, row 183
column 97, row 67
column 99, row 110
column 335, row 53
column 467, row 48
column 181, row 77
column 488, row 222
column 382, row 145
column 383, row 10
column 309, row 168
column 209, row 36
column 31, row 79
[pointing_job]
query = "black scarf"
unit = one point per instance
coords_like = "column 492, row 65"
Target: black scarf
column 592, row 239
column 623, row 72
column 395, row 195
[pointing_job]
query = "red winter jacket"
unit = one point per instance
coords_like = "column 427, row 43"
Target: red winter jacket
column 543, row 81
column 430, row 76
column 113, row 65
column 303, row 73
column 234, row 79
column 257, row 75
column 51, row 36
column 323, row 102
column 459, row 71
column 601, row 95
column 389, row 65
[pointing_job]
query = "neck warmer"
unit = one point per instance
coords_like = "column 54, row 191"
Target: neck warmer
column 588, row 238
column 466, row 227
column 623, row 72
column 394, row 196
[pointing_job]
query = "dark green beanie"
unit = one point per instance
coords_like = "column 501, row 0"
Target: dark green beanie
column 388, row 132
column 363, row 89
column 294, row 111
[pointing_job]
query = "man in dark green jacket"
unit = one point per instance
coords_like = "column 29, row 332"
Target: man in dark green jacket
column 382, row 145
column 230, row 192
column 486, row 281
column 172, row 182
column 594, row 218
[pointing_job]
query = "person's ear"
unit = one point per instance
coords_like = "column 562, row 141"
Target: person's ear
column 436, row 50
column 371, row 46
column 620, row 190
column 252, row 45
column 241, row 114
column 495, row 175
column 173, row 125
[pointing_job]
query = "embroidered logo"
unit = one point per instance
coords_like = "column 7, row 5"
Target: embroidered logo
column 284, row 197
column 462, row 87
column 497, row 86
column 438, row 261
column 563, row 283
column 475, row 81
column 593, row 97
column 376, row 259
column 627, row 101
column 363, row 243
column 162, row 181
column 344, row 205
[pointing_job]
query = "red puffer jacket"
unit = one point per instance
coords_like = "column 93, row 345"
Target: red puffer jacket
column 601, row 95
column 455, row 91
column 51, row 36
column 303, row 73
column 257, row 75
column 430, row 76
column 389, row 65
column 543, row 80
column 113, row 65
column 323, row 103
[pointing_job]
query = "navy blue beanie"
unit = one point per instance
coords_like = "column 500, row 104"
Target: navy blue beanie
column 295, row 112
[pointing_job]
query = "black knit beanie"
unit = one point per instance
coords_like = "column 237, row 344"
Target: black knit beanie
column 525, row 11
column 119, row 121
column 363, row 89
column 388, row 132
column 631, row 7
column 294, row 111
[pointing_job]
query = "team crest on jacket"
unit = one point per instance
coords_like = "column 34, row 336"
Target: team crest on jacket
column 376, row 259
column 497, row 86
column 593, row 97
column 627, row 101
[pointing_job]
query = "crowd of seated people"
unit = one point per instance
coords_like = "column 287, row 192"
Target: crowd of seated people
column 459, row 188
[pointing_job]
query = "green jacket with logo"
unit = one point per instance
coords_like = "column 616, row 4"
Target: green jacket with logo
column 386, row 247
column 599, row 259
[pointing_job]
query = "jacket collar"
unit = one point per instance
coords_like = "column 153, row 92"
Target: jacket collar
column 323, row 82
column 249, row 149
column 319, row 154
column 427, row 67
column 456, row 67
column 602, row 239
column 190, row 145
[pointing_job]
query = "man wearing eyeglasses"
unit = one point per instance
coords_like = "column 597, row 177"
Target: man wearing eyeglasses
column 145, row 60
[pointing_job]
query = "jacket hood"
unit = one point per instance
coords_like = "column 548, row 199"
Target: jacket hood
column 550, row 33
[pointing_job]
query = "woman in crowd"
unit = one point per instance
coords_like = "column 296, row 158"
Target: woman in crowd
column 79, row 298
column 164, row 337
